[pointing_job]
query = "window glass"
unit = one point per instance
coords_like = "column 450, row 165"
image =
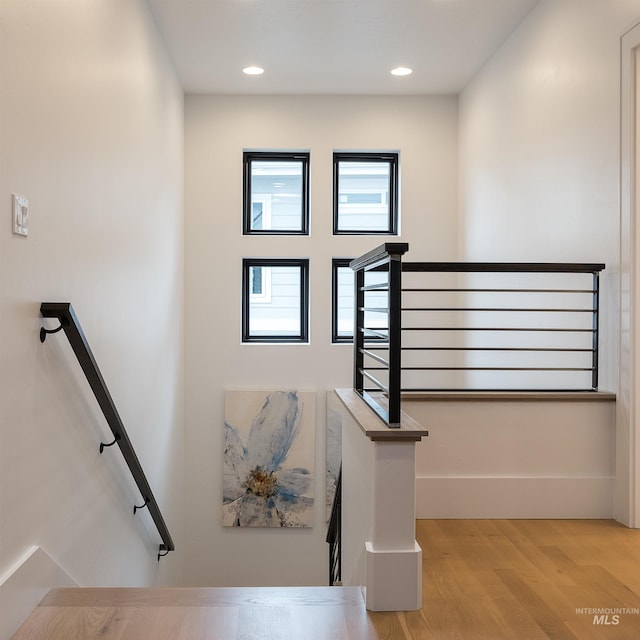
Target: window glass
column 276, row 193
column 365, row 193
column 275, row 300
column 342, row 316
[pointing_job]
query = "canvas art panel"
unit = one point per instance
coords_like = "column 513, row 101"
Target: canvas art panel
column 269, row 457
column 334, row 449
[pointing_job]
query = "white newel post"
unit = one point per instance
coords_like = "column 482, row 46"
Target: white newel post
column 380, row 552
column 394, row 558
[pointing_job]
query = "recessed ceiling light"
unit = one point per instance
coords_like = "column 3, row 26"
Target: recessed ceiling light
column 253, row 71
column 401, row 71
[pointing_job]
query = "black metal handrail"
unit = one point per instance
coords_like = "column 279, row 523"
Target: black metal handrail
column 407, row 325
column 334, row 535
column 64, row 312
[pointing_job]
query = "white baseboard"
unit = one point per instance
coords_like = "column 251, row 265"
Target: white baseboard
column 509, row 497
column 25, row 584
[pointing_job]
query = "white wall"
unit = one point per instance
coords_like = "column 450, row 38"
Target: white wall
column 539, row 149
column 91, row 132
column 502, row 458
column 217, row 129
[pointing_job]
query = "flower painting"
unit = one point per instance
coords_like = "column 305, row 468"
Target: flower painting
column 268, row 458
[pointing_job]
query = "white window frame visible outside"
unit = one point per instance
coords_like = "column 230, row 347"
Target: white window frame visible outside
column 264, row 297
column 388, row 159
column 263, row 199
column 277, row 158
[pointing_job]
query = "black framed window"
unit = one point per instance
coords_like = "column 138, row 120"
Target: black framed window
column 276, row 193
column 275, row 300
column 365, row 193
column 342, row 312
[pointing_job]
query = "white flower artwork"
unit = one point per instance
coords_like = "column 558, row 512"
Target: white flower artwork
column 268, row 459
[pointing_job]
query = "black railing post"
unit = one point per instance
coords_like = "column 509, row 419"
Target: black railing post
column 596, row 327
column 358, row 333
column 395, row 339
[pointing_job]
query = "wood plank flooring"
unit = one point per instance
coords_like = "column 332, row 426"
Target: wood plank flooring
column 235, row 613
column 524, row 579
column 482, row 580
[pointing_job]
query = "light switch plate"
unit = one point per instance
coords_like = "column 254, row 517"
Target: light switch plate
column 20, row 215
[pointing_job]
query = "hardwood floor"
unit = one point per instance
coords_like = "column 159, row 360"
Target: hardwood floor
column 524, row 579
column 322, row 613
column 482, row 580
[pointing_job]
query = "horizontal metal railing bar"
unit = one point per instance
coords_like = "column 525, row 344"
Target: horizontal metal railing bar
column 382, row 286
column 503, row 267
column 374, row 333
column 496, row 390
column 495, row 368
column 457, row 290
column 376, row 357
column 509, row 309
column 375, row 381
column 485, row 368
column 375, row 309
column 532, row 329
column 65, row 313
column 546, row 349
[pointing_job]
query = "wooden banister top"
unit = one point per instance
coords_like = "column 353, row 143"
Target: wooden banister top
column 372, row 426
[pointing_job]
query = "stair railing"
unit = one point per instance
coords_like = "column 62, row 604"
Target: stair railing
column 64, row 312
column 334, row 535
column 471, row 326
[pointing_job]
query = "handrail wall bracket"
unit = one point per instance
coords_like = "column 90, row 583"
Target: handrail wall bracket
column 45, row 332
column 104, row 445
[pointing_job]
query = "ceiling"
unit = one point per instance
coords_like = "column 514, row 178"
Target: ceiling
column 333, row 46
